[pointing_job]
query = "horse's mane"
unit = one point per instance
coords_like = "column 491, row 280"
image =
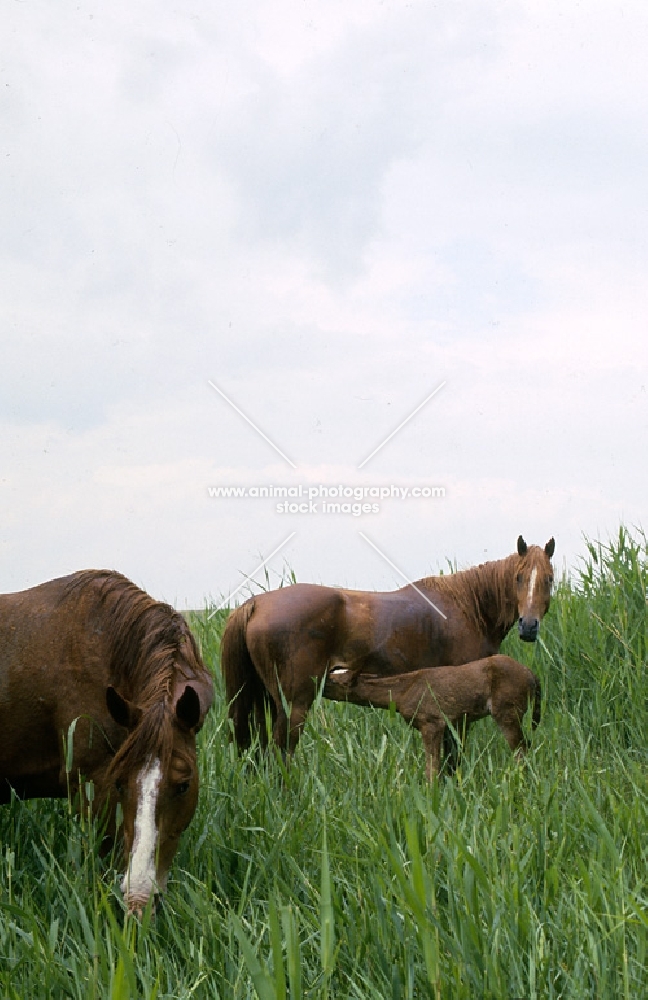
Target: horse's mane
column 150, row 647
column 483, row 593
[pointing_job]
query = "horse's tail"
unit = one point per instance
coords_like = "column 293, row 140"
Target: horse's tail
column 241, row 680
column 537, row 698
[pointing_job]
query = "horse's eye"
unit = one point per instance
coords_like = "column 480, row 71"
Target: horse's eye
column 519, row 578
column 182, row 788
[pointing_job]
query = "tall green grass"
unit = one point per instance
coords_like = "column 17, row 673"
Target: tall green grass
column 347, row 876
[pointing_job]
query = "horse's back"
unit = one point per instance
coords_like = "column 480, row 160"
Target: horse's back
column 394, row 632
column 44, row 632
column 293, row 633
column 48, row 611
column 290, row 606
column 303, row 610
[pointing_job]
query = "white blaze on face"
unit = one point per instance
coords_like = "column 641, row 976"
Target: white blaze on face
column 140, row 879
column 532, row 581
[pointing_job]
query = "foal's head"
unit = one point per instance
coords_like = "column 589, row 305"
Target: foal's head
column 533, row 582
column 155, row 778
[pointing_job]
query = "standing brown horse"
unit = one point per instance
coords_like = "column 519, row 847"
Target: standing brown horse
column 279, row 645
column 94, row 650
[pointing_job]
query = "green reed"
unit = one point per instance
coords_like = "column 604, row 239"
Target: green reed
column 345, row 875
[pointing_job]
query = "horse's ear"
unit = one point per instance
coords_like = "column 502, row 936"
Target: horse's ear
column 550, row 547
column 187, row 708
column 124, row 712
column 522, row 546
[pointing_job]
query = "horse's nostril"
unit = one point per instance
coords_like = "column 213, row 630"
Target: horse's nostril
column 528, row 629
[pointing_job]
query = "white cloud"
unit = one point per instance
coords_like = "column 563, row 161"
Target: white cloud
column 326, row 209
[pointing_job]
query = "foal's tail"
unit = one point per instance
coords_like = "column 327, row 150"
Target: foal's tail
column 241, row 680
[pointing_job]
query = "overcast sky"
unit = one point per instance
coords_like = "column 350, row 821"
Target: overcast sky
column 326, row 209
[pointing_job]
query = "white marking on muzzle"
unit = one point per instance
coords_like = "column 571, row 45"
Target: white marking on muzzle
column 532, row 580
column 140, row 879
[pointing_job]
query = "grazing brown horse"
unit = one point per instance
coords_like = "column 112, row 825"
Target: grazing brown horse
column 429, row 699
column 278, row 645
column 94, row 650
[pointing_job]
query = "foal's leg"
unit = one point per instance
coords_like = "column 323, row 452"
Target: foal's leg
column 453, row 745
column 508, row 720
column 432, row 732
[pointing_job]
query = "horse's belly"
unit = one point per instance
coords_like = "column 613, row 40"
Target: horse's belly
column 29, row 744
column 42, row 785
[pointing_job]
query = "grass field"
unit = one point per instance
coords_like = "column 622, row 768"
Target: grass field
column 347, row 876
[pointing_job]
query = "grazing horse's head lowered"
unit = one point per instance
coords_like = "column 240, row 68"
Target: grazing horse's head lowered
column 533, row 582
column 155, row 778
column 93, row 663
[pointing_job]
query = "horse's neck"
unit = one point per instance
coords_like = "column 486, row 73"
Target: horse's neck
column 495, row 597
